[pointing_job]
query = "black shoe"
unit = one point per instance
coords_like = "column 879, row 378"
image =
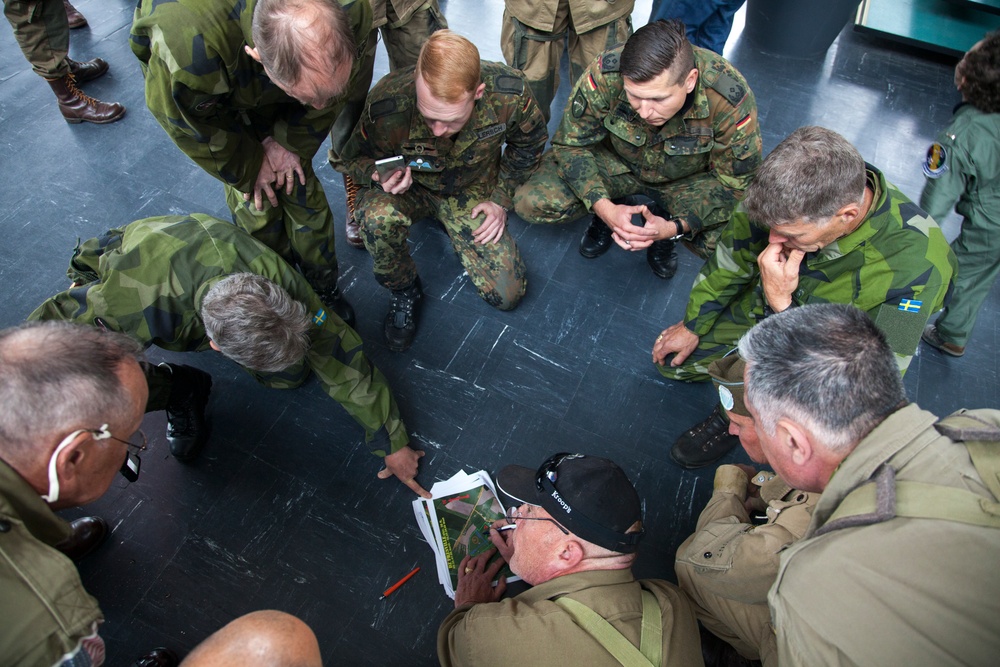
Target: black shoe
column 597, row 240
column 662, row 258
column 336, row 302
column 705, row 443
column 187, row 428
column 401, row 320
column 89, row 533
column 158, row 657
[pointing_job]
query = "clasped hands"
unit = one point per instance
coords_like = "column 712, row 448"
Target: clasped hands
column 632, row 237
column 279, row 167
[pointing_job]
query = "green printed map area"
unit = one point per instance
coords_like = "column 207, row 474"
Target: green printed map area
column 462, row 518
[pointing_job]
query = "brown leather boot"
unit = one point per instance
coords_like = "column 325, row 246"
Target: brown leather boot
column 353, row 230
column 75, row 18
column 87, row 70
column 76, row 106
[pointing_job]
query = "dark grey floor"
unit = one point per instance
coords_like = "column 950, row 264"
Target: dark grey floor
column 283, row 510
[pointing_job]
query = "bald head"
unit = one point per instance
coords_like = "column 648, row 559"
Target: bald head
column 260, row 639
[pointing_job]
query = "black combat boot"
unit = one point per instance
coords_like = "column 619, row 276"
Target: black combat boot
column 401, row 320
column 662, row 258
column 705, row 443
column 335, row 301
column 187, row 428
column 597, row 239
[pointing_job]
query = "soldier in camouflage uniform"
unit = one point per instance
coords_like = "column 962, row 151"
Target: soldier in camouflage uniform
column 880, row 253
column 535, row 33
column 151, row 279
column 405, row 25
column 657, row 118
column 257, row 127
column 449, row 118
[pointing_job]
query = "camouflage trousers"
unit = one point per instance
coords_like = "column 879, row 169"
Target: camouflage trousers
column 42, row 32
column 403, row 40
column 495, row 269
column 546, row 198
column 537, row 53
column 299, row 228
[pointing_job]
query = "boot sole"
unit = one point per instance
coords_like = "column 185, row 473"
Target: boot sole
column 76, row 121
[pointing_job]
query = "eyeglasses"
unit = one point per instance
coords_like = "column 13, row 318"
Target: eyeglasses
column 130, row 467
column 514, row 515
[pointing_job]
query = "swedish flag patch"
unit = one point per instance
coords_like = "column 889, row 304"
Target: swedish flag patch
column 910, row 306
column 319, row 317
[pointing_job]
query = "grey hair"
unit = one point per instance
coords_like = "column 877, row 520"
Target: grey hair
column 826, row 367
column 57, row 377
column 808, row 177
column 256, row 323
column 286, row 34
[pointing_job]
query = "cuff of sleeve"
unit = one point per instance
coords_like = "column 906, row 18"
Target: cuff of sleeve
column 730, row 479
column 382, row 444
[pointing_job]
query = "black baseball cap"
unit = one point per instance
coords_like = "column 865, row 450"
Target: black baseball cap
column 592, row 497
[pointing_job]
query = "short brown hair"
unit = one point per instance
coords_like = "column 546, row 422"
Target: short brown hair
column 980, row 71
column 449, row 65
column 655, row 48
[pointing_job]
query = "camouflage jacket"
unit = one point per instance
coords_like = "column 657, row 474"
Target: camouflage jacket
column 713, row 142
column 474, row 158
column 585, row 15
column 151, row 287
column 212, row 98
column 404, row 10
column 896, row 266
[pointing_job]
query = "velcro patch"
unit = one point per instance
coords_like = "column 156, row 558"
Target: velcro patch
column 382, row 108
column 730, row 88
column 579, row 104
column 319, row 318
column 611, row 61
column 492, row 131
column 506, row 83
column 936, row 162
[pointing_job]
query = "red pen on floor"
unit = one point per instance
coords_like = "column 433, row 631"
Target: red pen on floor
column 392, row 589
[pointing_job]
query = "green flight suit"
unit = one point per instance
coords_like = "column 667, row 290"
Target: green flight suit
column 531, row 629
column 888, row 590
column 42, row 31
column 45, row 613
column 728, row 565
column 497, row 150
column 896, row 266
column 217, row 104
column 148, row 279
column 696, row 166
column 535, row 33
column 963, row 166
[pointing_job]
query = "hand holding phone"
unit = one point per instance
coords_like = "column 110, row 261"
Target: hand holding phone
column 387, row 167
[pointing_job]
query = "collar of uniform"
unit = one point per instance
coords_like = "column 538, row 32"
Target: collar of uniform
column 866, row 230
column 482, row 116
column 21, row 502
column 572, row 583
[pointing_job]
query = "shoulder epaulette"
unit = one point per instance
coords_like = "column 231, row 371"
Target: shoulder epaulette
column 507, row 83
column 383, row 107
column 728, row 87
column 611, row 61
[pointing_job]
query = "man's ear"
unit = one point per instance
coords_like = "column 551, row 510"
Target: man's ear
column 252, row 52
column 797, row 442
column 213, row 345
column 691, row 80
column 849, row 213
column 480, row 90
column 571, row 554
column 70, row 459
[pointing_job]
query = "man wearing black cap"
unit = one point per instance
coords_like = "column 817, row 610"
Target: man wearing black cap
column 574, row 540
column 730, row 562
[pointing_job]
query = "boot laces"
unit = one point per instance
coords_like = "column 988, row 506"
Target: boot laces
column 71, row 86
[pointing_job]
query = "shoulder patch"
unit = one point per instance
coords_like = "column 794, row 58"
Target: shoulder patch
column 382, row 108
column 611, row 61
column 579, row 104
column 505, row 83
column 730, row 88
column 936, row 162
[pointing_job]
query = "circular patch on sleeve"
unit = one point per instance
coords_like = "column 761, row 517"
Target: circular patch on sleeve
column 725, row 397
column 936, row 162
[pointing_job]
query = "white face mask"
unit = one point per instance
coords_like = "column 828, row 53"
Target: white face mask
column 53, row 495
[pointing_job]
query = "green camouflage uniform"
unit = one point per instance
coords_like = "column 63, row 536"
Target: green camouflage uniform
column 42, row 31
column 696, row 166
column 218, row 105
column 535, row 33
column 45, row 613
column 405, row 25
column 964, row 167
column 896, row 266
column 451, row 176
column 148, row 280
